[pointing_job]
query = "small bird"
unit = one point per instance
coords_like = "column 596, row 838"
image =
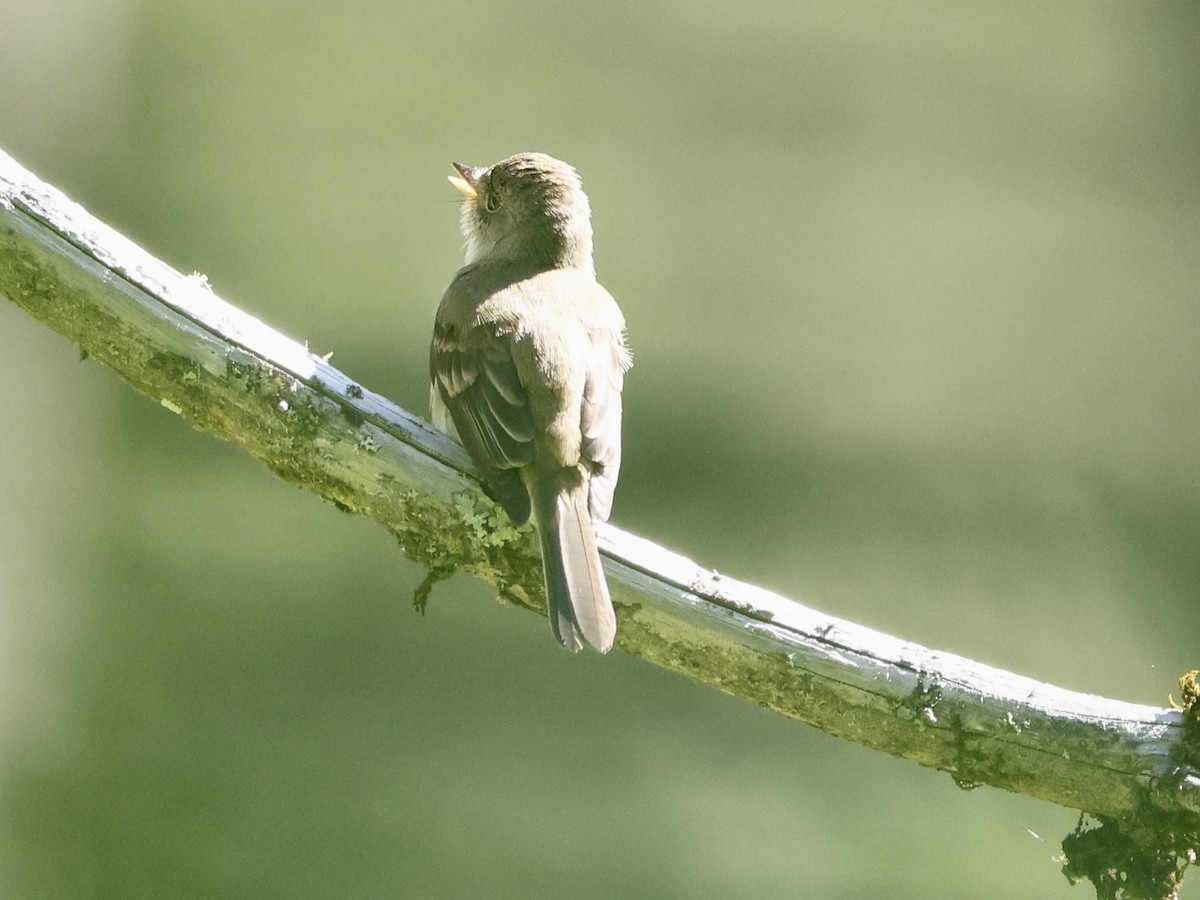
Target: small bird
column 527, row 364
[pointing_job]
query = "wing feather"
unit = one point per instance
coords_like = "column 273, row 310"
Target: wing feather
column 601, row 418
column 478, row 384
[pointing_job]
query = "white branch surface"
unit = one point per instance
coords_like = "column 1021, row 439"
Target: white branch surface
column 171, row 337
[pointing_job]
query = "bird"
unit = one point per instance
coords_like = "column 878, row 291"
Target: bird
column 527, row 365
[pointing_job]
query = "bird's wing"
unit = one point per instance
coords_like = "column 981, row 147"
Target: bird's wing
column 474, row 377
column 601, row 412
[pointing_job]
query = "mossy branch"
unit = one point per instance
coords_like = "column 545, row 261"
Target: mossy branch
column 1135, row 768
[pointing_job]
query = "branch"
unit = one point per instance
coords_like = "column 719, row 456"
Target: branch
column 171, row 338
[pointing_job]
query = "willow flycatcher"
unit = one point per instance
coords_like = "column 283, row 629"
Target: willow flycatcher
column 527, row 365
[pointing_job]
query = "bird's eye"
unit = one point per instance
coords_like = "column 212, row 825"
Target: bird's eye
column 491, row 203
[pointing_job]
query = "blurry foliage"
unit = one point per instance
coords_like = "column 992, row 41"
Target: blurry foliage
column 912, row 293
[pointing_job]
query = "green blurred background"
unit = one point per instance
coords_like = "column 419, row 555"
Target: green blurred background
column 913, row 296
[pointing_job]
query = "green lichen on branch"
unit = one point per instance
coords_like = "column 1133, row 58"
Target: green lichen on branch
column 304, row 436
column 1131, row 858
column 469, row 534
column 1144, row 856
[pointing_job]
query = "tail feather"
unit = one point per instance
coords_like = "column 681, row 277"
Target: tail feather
column 577, row 595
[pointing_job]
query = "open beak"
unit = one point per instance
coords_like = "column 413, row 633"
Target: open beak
column 466, row 179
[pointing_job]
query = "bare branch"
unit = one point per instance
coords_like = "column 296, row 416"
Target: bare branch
column 170, row 337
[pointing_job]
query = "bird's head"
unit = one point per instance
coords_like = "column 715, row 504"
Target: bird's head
column 530, row 207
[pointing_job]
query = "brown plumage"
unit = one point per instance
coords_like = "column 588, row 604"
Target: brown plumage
column 527, row 364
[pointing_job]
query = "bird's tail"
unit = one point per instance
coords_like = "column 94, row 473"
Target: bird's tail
column 577, row 597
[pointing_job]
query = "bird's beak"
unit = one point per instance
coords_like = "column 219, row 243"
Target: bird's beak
column 466, row 179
